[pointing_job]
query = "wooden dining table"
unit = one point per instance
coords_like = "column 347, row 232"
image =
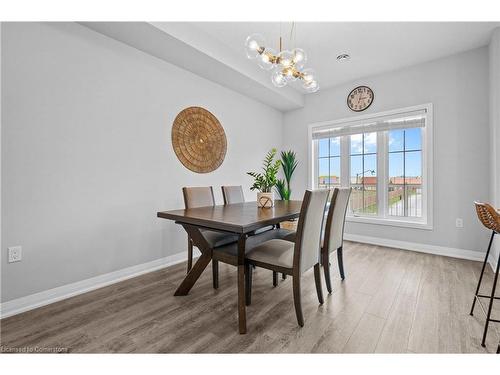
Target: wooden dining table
column 241, row 219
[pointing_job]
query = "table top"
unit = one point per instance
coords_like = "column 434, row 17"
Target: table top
column 237, row 218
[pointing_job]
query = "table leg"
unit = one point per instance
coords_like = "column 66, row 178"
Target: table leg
column 242, row 317
column 200, row 265
column 193, row 275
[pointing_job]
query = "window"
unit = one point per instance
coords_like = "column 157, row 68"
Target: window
column 328, row 175
column 405, row 173
column 384, row 158
column 363, row 173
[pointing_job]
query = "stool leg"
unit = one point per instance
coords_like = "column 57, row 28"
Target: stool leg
column 491, row 302
column 482, row 272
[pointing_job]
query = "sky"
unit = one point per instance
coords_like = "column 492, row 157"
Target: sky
column 410, row 139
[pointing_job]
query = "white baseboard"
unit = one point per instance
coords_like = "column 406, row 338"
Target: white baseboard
column 33, row 301
column 413, row 246
column 19, row 305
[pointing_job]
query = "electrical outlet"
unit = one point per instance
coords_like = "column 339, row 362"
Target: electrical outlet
column 459, row 223
column 15, row 254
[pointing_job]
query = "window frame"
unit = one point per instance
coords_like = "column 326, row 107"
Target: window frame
column 382, row 218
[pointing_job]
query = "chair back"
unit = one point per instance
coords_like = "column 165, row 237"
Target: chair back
column 335, row 220
column 488, row 216
column 308, row 240
column 198, row 196
column 233, row 194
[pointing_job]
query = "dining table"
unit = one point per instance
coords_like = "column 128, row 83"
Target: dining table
column 240, row 219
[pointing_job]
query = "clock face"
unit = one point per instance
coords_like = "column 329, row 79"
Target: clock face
column 360, row 98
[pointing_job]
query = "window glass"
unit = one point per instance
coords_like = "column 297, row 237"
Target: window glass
column 396, row 138
column 356, row 144
column 323, row 173
column 335, row 171
column 413, row 139
column 323, row 147
column 405, row 175
column 335, row 146
column 370, row 143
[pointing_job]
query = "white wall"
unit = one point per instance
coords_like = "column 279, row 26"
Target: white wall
column 458, row 88
column 87, row 158
column 495, row 126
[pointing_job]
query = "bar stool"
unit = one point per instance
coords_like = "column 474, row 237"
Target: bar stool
column 490, row 218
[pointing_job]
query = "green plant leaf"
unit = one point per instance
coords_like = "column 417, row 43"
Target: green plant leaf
column 289, row 164
column 264, row 182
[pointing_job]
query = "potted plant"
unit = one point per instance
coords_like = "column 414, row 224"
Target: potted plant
column 288, row 164
column 264, row 182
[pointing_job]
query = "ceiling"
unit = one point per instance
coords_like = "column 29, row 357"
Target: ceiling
column 374, row 47
column 215, row 50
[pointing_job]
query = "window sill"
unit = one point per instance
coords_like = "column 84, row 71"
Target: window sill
column 390, row 222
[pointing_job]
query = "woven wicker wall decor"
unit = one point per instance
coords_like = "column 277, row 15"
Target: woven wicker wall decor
column 199, row 140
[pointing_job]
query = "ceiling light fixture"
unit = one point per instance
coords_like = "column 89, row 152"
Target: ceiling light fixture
column 343, row 57
column 288, row 65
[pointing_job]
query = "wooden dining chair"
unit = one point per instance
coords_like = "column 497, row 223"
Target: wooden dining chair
column 334, row 233
column 202, row 197
column 294, row 258
column 234, row 194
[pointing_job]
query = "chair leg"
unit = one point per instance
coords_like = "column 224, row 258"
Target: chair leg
column 482, row 272
column 275, row 278
column 492, row 298
column 190, row 255
column 215, row 273
column 326, row 269
column 283, row 276
column 248, row 282
column 340, row 259
column 317, row 280
column 296, row 300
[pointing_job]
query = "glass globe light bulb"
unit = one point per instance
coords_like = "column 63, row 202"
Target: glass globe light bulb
column 278, row 79
column 285, row 59
column 255, row 45
column 308, row 75
column 289, row 74
column 265, row 60
column 299, row 57
column 311, row 86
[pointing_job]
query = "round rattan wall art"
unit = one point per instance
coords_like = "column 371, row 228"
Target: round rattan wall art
column 199, row 140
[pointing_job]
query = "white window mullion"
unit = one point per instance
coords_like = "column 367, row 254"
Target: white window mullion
column 315, row 165
column 344, row 161
column 382, row 173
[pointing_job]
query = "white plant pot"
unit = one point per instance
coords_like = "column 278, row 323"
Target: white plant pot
column 265, row 200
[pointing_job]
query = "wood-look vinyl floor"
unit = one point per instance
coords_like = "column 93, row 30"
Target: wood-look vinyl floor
column 392, row 301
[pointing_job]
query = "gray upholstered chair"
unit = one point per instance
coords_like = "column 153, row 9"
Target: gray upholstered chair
column 203, row 197
column 294, row 258
column 333, row 234
column 234, row 194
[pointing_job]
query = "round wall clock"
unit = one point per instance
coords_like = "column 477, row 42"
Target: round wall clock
column 360, row 98
column 199, row 140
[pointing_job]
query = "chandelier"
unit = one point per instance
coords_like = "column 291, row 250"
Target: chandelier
column 287, row 66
